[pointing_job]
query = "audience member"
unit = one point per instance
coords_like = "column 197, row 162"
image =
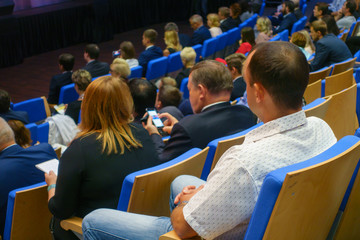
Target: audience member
column 120, row 69
column 345, row 17
column 210, row 86
column 297, row 11
column 309, row 47
column 168, row 99
column 22, row 134
column 224, row 203
column 127, row 52
column 247, row 40
column 201, row 33
column 321, row 9
column 235, row 11
column 289, row 17
column 9, row 114
column 299, row 40
column 81, row 78
column 151, row 51
column 188, row 57
column 172, row 43
column 331, row 24
column 17, row 166
column 93, row 66
column 336, row 5
column 245, row 10
column 226, row 22
column 66, row 64
column 184, row 39
column 235, row 64
column 329, row 48
column 263, row 25
column 167, row 81
column 107, row 149
column 213, row 22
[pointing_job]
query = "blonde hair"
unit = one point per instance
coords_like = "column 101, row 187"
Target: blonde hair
column 264, row 25
column 107, row 109
column 120, row 67
column 309, row 42
column 172, row 40
column 213, row 20
column 188, row 55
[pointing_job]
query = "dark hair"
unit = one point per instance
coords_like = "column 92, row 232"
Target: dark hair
column 248, row 35
column 331, row 24
column 321, row 26
column 225, row 11
column 169, row 96
column 127, row 50
column 213, row 75
column 93, row 50
column 4, row 101
column 235, row 60
column 22, row 134
column 290, row 5
column 298, row 39
column 236, row 10
column 351, row 5
column 67, row 61
column 171, row 26
column 151, row 34
column 143, row 93
column 324, row 7
column 282, row 69
column 244, row 4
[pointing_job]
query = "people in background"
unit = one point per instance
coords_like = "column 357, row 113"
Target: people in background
column 93, row 66
column 22, row 134
column 184, row 39
column 331, row 24
column 246, row 12
column 168, row 99
column 188, row 57
column 127, row 52
column 120, row 69
column 247, row 40
column 264, row 27
column 235, row 64
column 226, row 22
column 201, row 33
column 235, row 11
column 345, row 18
column 172, row 42
column 213, row 22
column 300, row 40
column 309, row 47
column 297, row 11
column 289, row 17
column 9, row 114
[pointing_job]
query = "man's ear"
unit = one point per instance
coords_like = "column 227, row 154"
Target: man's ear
column 259, row 92
column 159, row 104
column 203, row 91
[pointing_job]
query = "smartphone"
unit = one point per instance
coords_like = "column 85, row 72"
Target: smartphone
column 155, row 117
column 116, row 53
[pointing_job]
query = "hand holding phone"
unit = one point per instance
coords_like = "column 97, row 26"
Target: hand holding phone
column 115, row 54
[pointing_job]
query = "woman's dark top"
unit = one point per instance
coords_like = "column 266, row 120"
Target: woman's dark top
column 185, row 72
column 171, row 50
column 73, row 110
column 89, row 179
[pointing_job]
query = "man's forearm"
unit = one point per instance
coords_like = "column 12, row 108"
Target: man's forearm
column 180, row 226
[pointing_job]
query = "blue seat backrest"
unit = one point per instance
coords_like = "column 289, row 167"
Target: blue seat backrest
column 351, row 30
column 136, row 72
column 33, row 132
column 303, row 8
column 94, row 78
column 222, row 41
column 275, row 38
column 314, row 103
column 252, row 20
column 129, row 179
column 34, row 107
column 209, row 47
column 184, row 89
column 284, row 35
column 273, row 182
column 234, row 35
column 262, row 9
column 43, row 132
column 68, row 94
column 198, row 50
column 358, row 101
column 156, row 68
column 174, row 62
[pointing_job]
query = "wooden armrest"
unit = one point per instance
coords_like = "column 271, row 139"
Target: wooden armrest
column 173, row 236
column 73, row 224
column 47, row 107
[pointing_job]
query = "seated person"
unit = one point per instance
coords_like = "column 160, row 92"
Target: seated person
column 221, row 207
column 297, row 11
column 9, row 114
column 289, row 17
column 329, row 48
column 82, row 79
column 188, row 57
column 93, row 66
column 346, row 18
column 331, row 24
column 107, row 149
column 213, row 22
column 22, row 134
column 210, row 86
column 183, row 38
column 168, row 99
column 300, row 40
column 17, row 166
column 120, row 69
column 172, row 42
column 127, row 52
column 263, row 26
column 235, row 11
column 151, row 51
column 246, row 12
column 247, row 40
column 235, row 64
column 201, row 33
column 309, row 47
column 66, row 64
column 226, row 22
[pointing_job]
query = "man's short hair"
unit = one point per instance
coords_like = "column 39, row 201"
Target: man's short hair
column 196, row 18
column 188, row 55
column 224, row 11
column 298, row 39
column 4, row 101
column 235, row 60
column 321, row 26
column 169, row 96
column 93, row 50
column 290, row 5
column 283, row 70
column 127, row 50
column 213, row 75
column 168, row 81
column 67, row 61
column 81, row 78
column 322, row 6
column 296, row 3
column 6, row 133
column 143, row 93
column 151, row 34
column 351, row 5
column 171, row 26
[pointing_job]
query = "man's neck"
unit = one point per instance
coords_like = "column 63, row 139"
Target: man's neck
column 347, row 14
column 148, row 46
column 6, row 145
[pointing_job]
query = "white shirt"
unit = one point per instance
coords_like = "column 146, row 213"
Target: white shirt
column 225, row 204
column 133, row 62
column 215, row 31
column 346, row 22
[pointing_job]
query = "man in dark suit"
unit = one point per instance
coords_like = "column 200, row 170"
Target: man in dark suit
column 66, row 64
column 151, row 51
column 297, row 11
column 93, row 66
column 201, row 33
column 235, row 65
column 17, row 165
column 289, row 17
column 210, row 86
column 226, row 22
column 329, row 48
column 9, row 114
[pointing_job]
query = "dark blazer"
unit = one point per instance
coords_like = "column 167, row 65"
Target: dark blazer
column 73, row 110
column 199, row 129
column 173, row 111
column 298, row 14
column 146, row 56
column 15, row 115
column 199, row 36
column 56, row 83
column 329, row 50
column 239, row 88
column 185, row 72
column 286, row 23
column 97, row 68
column 228, row 24
column 17, row 169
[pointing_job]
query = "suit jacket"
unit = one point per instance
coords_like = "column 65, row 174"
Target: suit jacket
column 149, row 54
column 286, row 23
column 239, row 88
column 185, row 72
column 56, row 83
column 298, row 13
column 329, row 50
column 15, row 115
column 173, row 111
column 199, row 36
column 228, row 24
column 17, row 169
column 198, row 130
column 97, row 68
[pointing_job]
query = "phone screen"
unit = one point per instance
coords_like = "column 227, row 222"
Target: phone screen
column 156, row 120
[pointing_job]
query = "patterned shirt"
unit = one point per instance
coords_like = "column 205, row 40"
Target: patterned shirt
column 222, row 209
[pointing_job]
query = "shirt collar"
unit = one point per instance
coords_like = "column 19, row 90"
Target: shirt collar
column 8, row 147
column 210, row 105
column 149, row 47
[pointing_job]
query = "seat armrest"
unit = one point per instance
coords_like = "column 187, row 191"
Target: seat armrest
column 173, row 236
column 73, row 224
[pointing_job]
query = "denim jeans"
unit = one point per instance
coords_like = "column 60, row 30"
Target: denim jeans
column 112, row 224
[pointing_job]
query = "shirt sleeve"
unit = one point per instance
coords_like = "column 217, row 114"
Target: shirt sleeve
column 321, row 55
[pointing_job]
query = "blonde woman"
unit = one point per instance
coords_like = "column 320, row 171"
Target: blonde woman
column 108, row 147
column 172, row 43
column 263, row 25
column 309, row 47
column 120, row 68
column 213, row 22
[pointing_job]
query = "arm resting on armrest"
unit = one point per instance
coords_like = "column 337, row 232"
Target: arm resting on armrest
column 73, row 224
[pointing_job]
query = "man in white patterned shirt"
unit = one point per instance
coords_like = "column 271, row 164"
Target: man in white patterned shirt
column 276, row 75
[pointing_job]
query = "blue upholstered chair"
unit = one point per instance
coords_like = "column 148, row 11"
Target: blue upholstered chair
column 351, row 30
column 284, row 35
column 303, row 8
column 34, row 107
column 174, row 62
column 209, row 47
column 156, row 68
column 33, row 132
column 68, row 94
column 221, row 44
column 136, row 72
column 43, row 132
column 299, row 25
column 275, row 38
column 184, row 89
column 262, row 9
column 198, row 49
